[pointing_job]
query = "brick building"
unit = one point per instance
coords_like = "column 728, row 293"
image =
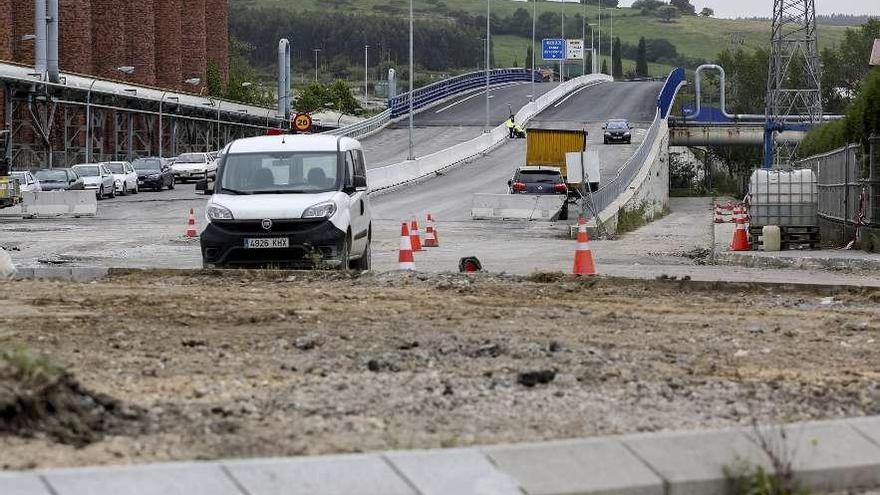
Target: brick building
column 167, row 41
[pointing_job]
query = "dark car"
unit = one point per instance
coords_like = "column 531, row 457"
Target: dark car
column 537, row 180
column 617, row 131
column 59, row 179
column 153, row 173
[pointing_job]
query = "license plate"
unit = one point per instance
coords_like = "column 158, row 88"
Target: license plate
column 268, row 243
column 140, row 182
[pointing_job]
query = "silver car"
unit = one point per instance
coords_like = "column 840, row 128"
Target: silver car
column 97, row 177
column 27, row 182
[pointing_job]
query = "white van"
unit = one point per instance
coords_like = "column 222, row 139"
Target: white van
column 289, row 200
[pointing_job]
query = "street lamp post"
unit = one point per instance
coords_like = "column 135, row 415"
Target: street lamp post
column 366, row 73
column 126, row 69
column 562, row 61
column 488, row 56
column 161, row 102
column 612, row 43
column 534, row 25
column 411, row 155
column 316, row 50
column 600, row 36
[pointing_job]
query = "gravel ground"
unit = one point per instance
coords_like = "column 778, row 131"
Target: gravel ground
column 251, row 364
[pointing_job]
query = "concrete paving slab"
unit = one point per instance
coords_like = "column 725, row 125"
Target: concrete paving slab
column 826, row 456
column 869, row 427
column 695, row 463
column 22, row 485
column 158, row 479
column 333, row 475
column 596, row 466
column 460, row 471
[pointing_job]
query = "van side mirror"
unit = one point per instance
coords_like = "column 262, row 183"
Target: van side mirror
column 359, row 182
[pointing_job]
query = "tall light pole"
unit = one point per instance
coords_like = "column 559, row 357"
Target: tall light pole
column 612, row 42
column 600, row 36
column 316, row 50
column 584, row 38
column 565, row 52
column 161, row 102
column 411, row 155
column 534, row 26
column 488, row 50
column 366, row 73
column 128, row 70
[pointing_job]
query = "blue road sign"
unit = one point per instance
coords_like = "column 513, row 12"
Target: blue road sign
column 553, row 49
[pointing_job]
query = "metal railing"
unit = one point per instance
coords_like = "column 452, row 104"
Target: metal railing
column 364, row 128
column 440, row 90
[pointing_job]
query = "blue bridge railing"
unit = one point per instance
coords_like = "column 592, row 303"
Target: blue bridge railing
column 437, row 91
column 667, row 96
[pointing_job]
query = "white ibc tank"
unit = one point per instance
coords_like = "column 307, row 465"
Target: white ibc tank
column 783, row 198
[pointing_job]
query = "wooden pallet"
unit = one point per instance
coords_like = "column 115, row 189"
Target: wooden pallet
column 791, row 237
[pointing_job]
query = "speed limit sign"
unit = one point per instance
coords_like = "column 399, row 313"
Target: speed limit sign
column 302, row 122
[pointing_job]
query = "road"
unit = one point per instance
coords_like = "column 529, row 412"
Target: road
column 449, row 123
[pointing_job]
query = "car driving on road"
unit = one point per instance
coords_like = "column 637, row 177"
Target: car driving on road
column 537, row 180
column 194, row 166
column 617, row 131
column 98, row 178
column 153, row 173
column 59, row 179
column 290, row 200
column 26, row 181
column 124, row 176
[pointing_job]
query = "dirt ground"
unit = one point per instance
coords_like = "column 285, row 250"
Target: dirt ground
column 277, row 364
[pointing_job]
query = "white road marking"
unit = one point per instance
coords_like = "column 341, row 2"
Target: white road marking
column 569, row 96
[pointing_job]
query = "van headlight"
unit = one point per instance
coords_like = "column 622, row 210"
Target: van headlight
column 217, row 212
column 320, row 210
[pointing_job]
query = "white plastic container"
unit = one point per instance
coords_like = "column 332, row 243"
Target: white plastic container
column 785, row 199
column 772, row 238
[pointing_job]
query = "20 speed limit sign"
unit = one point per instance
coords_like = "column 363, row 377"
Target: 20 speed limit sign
column 302, row 122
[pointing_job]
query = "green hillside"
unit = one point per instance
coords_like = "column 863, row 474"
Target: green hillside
column 693, row 36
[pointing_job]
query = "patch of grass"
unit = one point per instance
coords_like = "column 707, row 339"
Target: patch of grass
column 746, row 479
column 631, row 219
column 28, row 369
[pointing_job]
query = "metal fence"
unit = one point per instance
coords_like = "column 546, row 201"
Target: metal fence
column 841, row 207
column 364, row 128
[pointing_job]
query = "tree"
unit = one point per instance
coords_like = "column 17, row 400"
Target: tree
column 339, row 94
column 668, row 13
column 617, row 60
column 707, row 12
column 642, row 58
column 684, row 6
column 529, row 57
column 214, row 79
column 604, row 66
column 647, row 7
column 312, row 98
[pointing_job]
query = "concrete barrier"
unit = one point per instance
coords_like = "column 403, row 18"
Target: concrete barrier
column 58, row 204
column 516, row 206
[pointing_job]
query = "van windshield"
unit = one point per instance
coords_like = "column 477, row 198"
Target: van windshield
column 279, row 173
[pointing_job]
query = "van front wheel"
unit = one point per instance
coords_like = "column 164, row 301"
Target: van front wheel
column 364, row 263
column 345, row 253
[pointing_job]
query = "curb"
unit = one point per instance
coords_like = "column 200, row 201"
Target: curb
column 806, row 263
column 826, row 456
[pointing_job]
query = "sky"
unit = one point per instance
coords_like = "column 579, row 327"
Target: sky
column 764, row 8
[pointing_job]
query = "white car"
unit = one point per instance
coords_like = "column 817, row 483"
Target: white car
column 194, row 166
column 96, row 177
column 26, row 181
column 290, row 200
column 125, row 178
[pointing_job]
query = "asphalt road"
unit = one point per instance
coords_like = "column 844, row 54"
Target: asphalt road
column 634, row 101
column 449, row 123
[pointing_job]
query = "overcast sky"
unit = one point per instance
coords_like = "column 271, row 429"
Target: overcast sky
column 764, row 8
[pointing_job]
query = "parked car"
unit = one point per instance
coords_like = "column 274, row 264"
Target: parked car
column 194, row 166
column 97, row 177
column 26, row 181
column 289, row 200
column 537, row 180
column 617, row 131
column 126, row 179
column 154, row 173
column 59, row 179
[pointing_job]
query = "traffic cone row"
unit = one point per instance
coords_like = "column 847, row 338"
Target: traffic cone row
column 411, row 241
column 740, row 240
column 191, row 225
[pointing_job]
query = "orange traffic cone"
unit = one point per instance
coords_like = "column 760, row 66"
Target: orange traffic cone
column 406, row 260
column 719, row 218
column 740, row 237
column 191, row 225
column 415, row 235
column 434, row 229
column 430, row 236
column 583, row 256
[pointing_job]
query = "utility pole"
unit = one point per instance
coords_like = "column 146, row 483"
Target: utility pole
column 584, row 37
column 316, row 50
column 565, row 51
column 534, row 26
column 600, row 35
column 411, row 155
column 366, row 73
column 612, row 42
column 488, row 50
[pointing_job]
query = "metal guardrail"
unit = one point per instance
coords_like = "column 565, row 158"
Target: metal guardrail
column 608, row 193
column 363, row 128
column 437, row 91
